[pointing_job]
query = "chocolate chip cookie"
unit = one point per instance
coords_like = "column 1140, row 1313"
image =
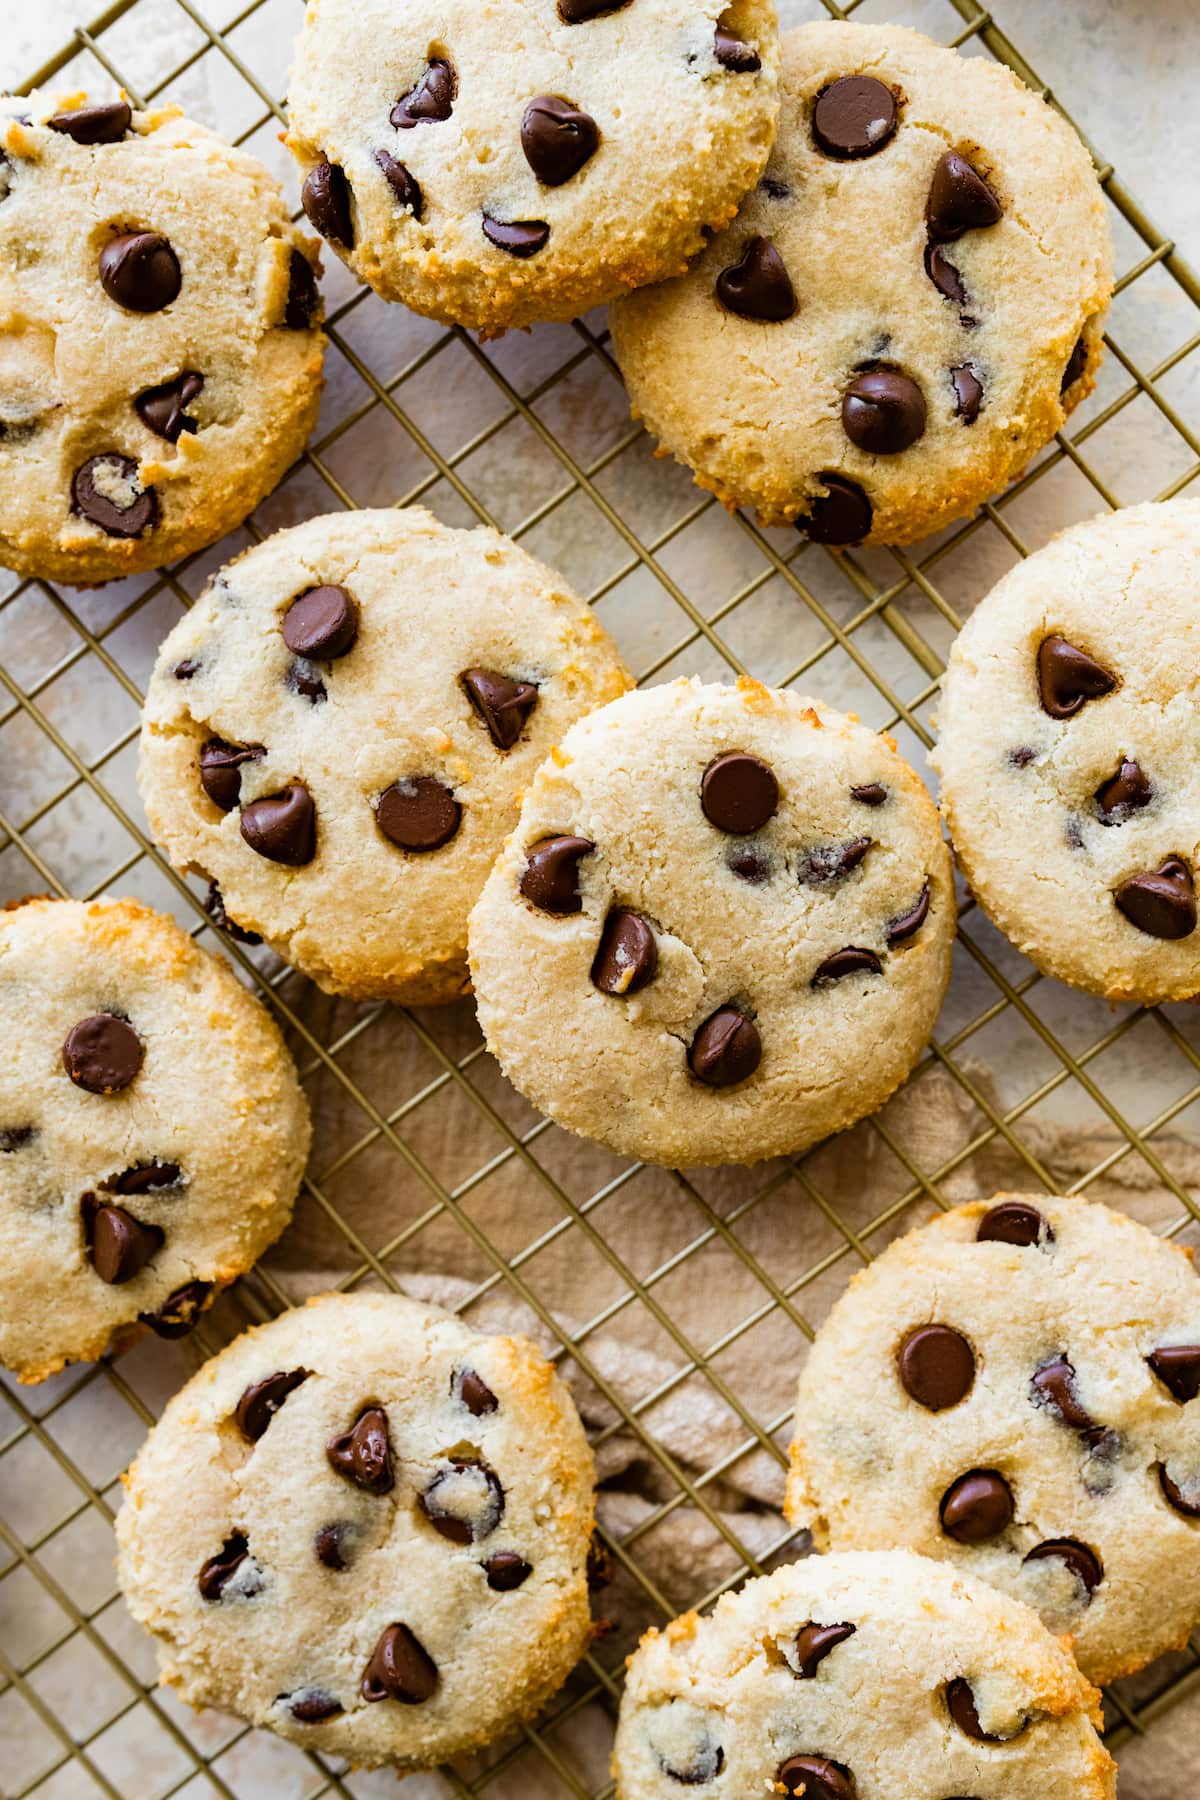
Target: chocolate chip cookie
column 366, row 1526
column 1069, row 721
column 880, row 1674
column 721, row 929
column 1013, row 1388
column 152, row 1130
column 527, row 162
column 338, row 734
column 161, row 355
column 904, row 310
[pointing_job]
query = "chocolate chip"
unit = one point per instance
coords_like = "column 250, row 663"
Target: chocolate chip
column 1014, row 1222
column 726, row 1048
column 429, row 100
column 418, row 813
column 775, row 190
column 1067, row 677
column 140, row 271
column 102, row 1054
column 551, row 877
column 557, row 139
column 1161, row 902
column 330, row 1543
column 738, row 793
column 959, row 200
column 161, row 409
column 968, row 392
column 910, row 922
column 1054, row 1388
column 749, row 865
column 364, row 1453
column 518, row 237
column 977, row 1507
column 179, row 1311
column 816, row 1778
column 400, row 1669
column 946, row 279
column 1174, row 1495
column 325, row 197
column 221, row 767
column 1077, row 362
column 813, row 1644
column 1125, row 792
column 854, row 116
column 841, row 516
column 313, row 1706
column 464, row 1502
column 1177, row 1367
column 119, row 1245
column 214, row 906
column 850, row 961
column 578, row 12
column 303, row 301
column 220, row 1570
column 758, row 286
column 601, row 1569
column 733, row 54
column 503, row 704
column 1083, row 1563
column 1022, row 756
column 960, row 1703
column 143, row 1178
column 474, row 1393
column 506, row 1571
column 134, row 509
column 937, row 1366
column 13, row 1138
column 825, row 863
column 303, row 679
column 282, row 827
column 402, row 182
column 183, row 671
column 883, row 411
column 262, row 1400
column 627, row 956
column 691, row 1755
column 321, row 623
column 106, row 122
column 871, row 793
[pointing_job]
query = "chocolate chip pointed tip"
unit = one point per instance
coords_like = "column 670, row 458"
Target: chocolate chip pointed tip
column 959, row 200
column 1127, row 791
column 400, row 1669
column 1068, row 677
column 551, row 877
column 431, row 98
column 119, row 1245
column 814, row 1643
column 557, row 139
column 282, row 827
column 163, row 409
column 758, row 285
column 504, row 704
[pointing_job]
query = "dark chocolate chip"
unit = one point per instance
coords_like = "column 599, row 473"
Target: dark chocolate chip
column 119, row 1245
column 143, row 1178
column 1161, row 902
column 968, row 392
column 517, row 237
column 578, row 12
column 303, row 301
column 813, row 1644
column 1067, row 677
column 220, row 1570
column 282, row 827
column 140, row 271
column 400, row 1669
column 506, row 1571
column 402, row 182
column 303, row 679
column 937, row 1366
column 183, row 671
column 13, row 1138
column 842, row 515
column 1021, row 757
column 704, row 1761
column 850, row 961
column 474, row 1393
column 910, row 922
column 262, row 1400
column 732, row 54
column 1178, row 1368
column 464, row 1502
column 418, row 813
column 364, row 1453
column 214, row 906
column 105, row 122
column 1014, row 1222
column 738, row 793
column 1077, row 362
column 977, row 1507
column 959, row 200
column 179, row 1311
column 321, row 623
column 1174, row 1495
column 221, row 767
column 557, row 139
column 627, row 955
column 102, row 1054
column 749, row 865
column 89, row 498
column 871, row 793
column 946, row 279
column 503, row 704
column 313, row 1706
column 1083, row 1563
column 325, row 197
column 826, row 863
column 429, row 100
column 601, row 1568
column 960, row 1703
column 330, row 1545
column 1054, row 1389
column 758, row 286
column 551, row 877
column 726, row 1048
column 883, row 411
column 1125, row 792
column 161, row 409
column 775, row 190
column 854, row 116
column 816, row 1778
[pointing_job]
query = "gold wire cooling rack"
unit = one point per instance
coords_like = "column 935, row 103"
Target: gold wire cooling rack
column 427, row 1169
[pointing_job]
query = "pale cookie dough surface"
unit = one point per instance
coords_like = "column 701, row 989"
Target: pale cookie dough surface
column 360, row 912
column 164, row 1165
column 1054, row 812
column 728, row 920
column 453, row 1525
column 754, row 405
column 761, row 1697
column 1037, row 1384
column 670, row 139
column 232, row 295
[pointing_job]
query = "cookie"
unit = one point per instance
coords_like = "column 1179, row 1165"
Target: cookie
column 525, row 160
column 1013, row 1388
column 1071, row 709
column 904, row 310
column 160, row 356
column 878, row 1674
column 721, row 929
column 338, row 734
column 152, row 1130
column 365, row 1525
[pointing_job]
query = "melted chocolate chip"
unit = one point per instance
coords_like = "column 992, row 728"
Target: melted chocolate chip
column 627, row 955
column 262, row 1400
column 143, row 1178
column 13, row 1138
column 726, row 1048
column 464, row 1503
column 816, row 1778
column 1014, row 1222
column 758, row 286
column 506, row 1571
column 303, row 301
column 1054, row 1389
column 557, row 139
column 968, row 393
column 321, row 623
column 330, row 1544
column 551, row 877
column 959, row 200
column 214, row 906
column 221, row 767
column 936, row 1366
column 474, row 1393
column 119, row 1245
column 325, row 197
column 140, row 271
column 134, row 510
column 503, row 704
column 400, row 1669
column 946, row 279
column 813, row 1644
column 910, row 922
column 733, row 54
column 1161, row 902
column 161, row 409
column 850, row 961
column 418, row 813
column 1125, row 792
column 402, row 182
column 960, row 1703
column 578, row 12
column 179, row 1311
column 313, row 1706
column 871, row 793
column 826, row 863
column 1077, row 362
column 282, row 827
column 883, row 411
column 102, row 1054
column 1178, row 1368
column 1174, row 1495
column 854, row 117
column 105, row 122
column 1083, row 1563
column 977, row 1507
column 738, row 793
column 517, row 237
column 1067, row 677
column 183, row 671
column 429, row 100
column 220, row 1570
column 749, row 865
column 842, row 515
column 364, row 1453
column 303, row 679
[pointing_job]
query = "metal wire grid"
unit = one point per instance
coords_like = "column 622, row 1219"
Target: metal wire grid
column 884, row 614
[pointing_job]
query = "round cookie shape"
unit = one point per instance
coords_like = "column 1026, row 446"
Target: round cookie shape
column 383, row 1554
column 870, row 1672
column 165, row 368
column 126, row 1201
column 1071, row 703
column 337, row 735
column 904, row 310
column 794, row 915
column 530, row 161
column 1062, row 1464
